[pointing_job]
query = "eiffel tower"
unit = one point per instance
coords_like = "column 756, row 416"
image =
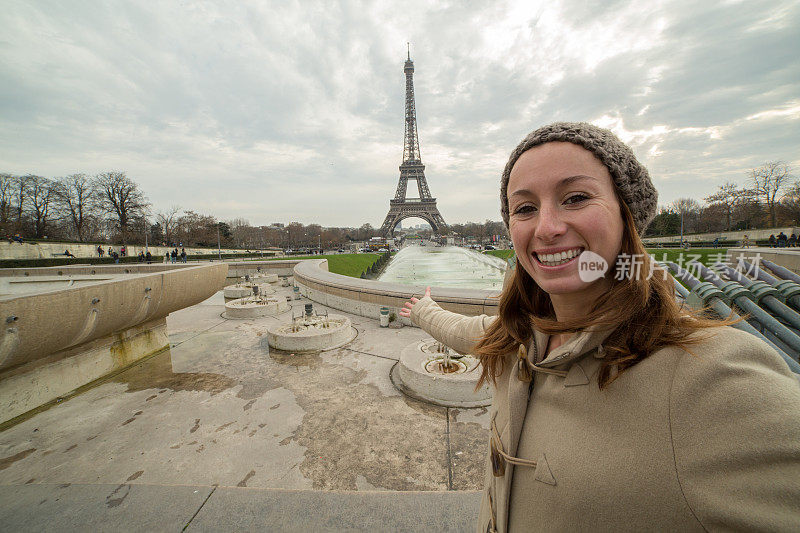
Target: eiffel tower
column 412, row 168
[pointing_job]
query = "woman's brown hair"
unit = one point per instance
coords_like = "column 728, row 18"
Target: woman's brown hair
column 640, row 307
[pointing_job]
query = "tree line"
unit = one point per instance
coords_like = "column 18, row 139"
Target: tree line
column 771, row 198
column 110, row 207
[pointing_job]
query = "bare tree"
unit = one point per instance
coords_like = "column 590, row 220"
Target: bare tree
column 19, row 192
column 168, row 220
column 729, row 196
column 6, row 194
column 121, row 198
column 767, row 180
column 790, row 202
column 690, row 209
column 41, row 192
column 78, row 198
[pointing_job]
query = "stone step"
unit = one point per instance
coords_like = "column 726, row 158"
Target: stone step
column 132, row 507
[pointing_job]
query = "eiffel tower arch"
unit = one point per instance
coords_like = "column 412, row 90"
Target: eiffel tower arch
column 401, row 206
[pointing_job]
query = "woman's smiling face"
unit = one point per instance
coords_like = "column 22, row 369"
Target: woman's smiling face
column 562, row 202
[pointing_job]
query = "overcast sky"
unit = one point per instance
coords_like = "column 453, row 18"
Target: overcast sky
column 293, row 111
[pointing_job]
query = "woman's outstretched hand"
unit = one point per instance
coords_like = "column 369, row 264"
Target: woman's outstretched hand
column 409, row 305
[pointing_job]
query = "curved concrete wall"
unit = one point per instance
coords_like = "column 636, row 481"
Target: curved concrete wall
column 785, row 257
column 366, row 297
column 36, row 325
column 281, row 267
column 98, row 270
column 47, row 250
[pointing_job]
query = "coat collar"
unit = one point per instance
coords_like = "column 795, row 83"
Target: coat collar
column 576, row 347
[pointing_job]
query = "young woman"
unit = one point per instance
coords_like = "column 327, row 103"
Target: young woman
column 615, row 409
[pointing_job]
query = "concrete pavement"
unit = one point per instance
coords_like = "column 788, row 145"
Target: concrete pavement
column 325, row 437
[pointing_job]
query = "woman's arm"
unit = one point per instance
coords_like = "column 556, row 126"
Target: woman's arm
column 735, row 428
column 459, row 332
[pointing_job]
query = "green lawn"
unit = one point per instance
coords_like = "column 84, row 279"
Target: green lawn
column 346, row 264
column 707, row 256
column 502, row 254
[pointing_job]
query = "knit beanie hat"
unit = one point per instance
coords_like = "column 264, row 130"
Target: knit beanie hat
column 629, row 176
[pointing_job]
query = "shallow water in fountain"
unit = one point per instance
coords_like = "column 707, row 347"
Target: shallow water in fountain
column 446, row 266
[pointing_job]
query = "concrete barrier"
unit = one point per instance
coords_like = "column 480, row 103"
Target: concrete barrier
column 55, row 340
column 366, row 297
column 785, row 257
column 280, row 267
column 48, row 250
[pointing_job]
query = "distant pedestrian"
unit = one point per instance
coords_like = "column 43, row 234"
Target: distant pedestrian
column 123, row 251
column 110, row 252
column 166, row 257
column 99, row 251
column 772, row 241
column 782, row 239
column 183, row 255
column 792, row 240
column 174, row 254
column 745, row 242
column 116, row 257
column 148, row 257
column 141, row 256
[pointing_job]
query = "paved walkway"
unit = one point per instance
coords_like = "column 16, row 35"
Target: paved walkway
column 222, row 429
column 132, row 507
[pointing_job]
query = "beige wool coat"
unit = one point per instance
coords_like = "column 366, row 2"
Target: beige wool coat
column 708, row 441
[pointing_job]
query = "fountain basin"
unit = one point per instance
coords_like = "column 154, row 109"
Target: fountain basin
column 419, row 374
column 255, row 307
column 242, row 290
column 311, row 333
column 265, row 278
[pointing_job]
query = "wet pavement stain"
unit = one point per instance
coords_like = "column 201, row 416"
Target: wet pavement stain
column 71, row 448
column 223, row 426
column 151, row 397
column 114, row 502
column 31, row 480
column 157, row 372
column 248, row 405
column 131, row 419
column 243, row 483
column 8, row 461
column 91, row 438
column 135, row 475
column 274, row 407
column 196, row 425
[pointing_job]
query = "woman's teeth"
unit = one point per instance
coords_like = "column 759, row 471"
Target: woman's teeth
column 558, row 258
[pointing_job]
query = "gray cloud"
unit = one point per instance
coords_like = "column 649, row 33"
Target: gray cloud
column 294, row 111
